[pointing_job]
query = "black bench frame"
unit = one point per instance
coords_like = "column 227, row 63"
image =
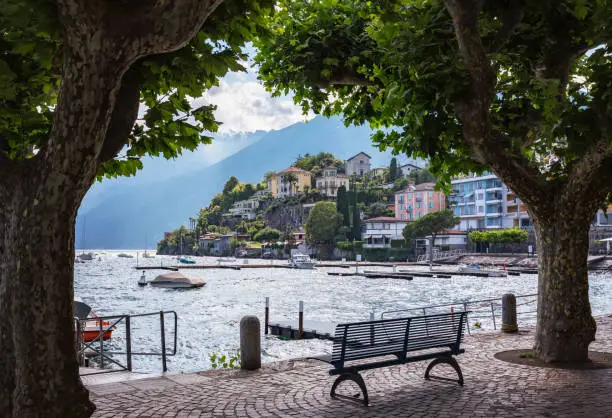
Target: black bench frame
column 351, row 372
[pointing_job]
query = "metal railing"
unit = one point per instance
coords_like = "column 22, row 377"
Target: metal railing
column 490, row 309
column 95, row 347
column 439, row 255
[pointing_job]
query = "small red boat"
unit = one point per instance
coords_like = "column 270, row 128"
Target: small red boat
column 91, row 326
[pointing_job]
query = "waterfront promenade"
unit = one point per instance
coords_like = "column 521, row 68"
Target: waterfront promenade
column 493, row 388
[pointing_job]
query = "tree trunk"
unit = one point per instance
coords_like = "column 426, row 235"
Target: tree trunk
column 39, row 373
column 565, row 326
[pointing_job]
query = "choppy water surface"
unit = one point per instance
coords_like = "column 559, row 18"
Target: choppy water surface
column 209, row 317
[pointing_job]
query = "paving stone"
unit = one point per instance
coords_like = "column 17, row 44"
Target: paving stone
column 492, row 388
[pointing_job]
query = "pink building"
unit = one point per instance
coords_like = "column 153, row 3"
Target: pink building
column 417, row 201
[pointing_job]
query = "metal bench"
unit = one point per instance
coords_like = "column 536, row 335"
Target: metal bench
column 436, row 337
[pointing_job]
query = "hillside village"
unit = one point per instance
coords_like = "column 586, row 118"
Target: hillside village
column 370, row 208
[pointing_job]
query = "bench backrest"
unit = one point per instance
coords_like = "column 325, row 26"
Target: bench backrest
column 361, row 340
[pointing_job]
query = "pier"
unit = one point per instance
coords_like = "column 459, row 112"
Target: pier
column 371, row 275
column 300, row 329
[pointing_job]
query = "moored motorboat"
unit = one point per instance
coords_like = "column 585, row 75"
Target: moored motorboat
column 186, row 260
column 124, row 255
column 176, row 280
column 91, row 327
column 301, row 261
column 85, row 256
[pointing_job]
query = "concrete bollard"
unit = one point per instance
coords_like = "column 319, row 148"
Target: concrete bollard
column 250, row 343
column 509, row 323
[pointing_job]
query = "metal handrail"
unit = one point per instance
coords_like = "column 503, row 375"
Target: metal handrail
column 492, row 305
column 82, row 345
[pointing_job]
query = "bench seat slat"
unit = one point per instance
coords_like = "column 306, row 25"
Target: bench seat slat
column 398, row 337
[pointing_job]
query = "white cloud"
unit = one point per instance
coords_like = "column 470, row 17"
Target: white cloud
column 243, row 105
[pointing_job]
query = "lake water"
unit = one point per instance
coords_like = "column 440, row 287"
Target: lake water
column 209, row 317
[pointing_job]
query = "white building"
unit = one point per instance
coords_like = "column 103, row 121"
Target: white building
column 380, row 231
column 409, row 169
column 331, row 181
column 245, row 209
column 358, row 164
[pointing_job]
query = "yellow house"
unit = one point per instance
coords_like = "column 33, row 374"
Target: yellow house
column 289, row 182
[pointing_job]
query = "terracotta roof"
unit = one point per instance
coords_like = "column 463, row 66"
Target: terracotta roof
column 451, row 232
column 349, row 159
column 424, row 186
column 293, row 170
column 385, row 219
column 408, row 189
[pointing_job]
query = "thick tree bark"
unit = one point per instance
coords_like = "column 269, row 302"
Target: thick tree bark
column 39, row 373
column 565, row 327
column 39, row 197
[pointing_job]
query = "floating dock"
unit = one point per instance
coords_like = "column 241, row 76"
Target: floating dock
column 311, row 330
column 372, row 275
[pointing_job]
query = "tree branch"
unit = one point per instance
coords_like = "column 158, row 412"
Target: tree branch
column 124, row 115
column 510, row 18
column 162, row 26
column 472, row 110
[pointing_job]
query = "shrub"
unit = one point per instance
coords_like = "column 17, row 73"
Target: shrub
column 358, row 245
column 398, row 243
column 500, row 237
column 220, row 360
column 344, row 245
column 267, row 234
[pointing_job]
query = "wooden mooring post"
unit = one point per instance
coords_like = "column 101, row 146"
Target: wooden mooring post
column 267, row 315
column 301, row 320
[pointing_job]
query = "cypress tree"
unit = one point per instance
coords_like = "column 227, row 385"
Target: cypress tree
column 356, row 219
column 393, row 170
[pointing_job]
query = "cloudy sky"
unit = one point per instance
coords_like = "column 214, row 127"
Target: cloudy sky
column 245, row 106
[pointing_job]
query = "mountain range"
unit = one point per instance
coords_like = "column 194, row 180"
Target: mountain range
column 130, row 213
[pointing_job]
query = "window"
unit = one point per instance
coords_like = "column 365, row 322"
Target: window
column 480, row 209
column 402, row 216
column 430, row 205
column 419, row 214
column 430, row 195
column 401, row 207
column 409, row 196
column 418, row 206
column 410, row 216
column 409, row 207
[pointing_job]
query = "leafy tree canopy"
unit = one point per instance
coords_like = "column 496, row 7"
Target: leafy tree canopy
column 316, row 163
column 322, row 222
column 230, row 184
column 398, row 65
column 267, row 234
column 430, row 224
column 30, row 76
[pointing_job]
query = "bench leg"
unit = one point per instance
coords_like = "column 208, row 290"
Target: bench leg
column 355, row 377
column 448, row 360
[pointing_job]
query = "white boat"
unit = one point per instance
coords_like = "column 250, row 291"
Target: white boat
column 176, row 280
column 226, row 260
column 477, row 269
column 301, row 261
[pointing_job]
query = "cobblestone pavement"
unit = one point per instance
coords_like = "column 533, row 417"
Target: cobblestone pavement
column 301, row 388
